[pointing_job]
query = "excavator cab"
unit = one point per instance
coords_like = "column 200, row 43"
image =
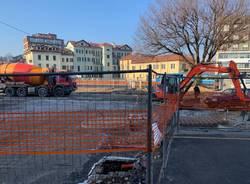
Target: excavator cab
column 169, row 84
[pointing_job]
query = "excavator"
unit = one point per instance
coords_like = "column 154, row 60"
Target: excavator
column 184, row 85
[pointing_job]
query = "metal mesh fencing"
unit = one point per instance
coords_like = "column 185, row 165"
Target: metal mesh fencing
column 49, row 130
column 216, row 102
column 165, row 122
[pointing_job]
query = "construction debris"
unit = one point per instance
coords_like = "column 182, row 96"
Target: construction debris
column 117, row 170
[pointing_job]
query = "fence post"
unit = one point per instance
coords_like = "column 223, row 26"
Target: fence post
column 149, row 128
column 178, row 101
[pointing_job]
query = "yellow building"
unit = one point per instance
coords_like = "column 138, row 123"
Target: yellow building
column 170, row 64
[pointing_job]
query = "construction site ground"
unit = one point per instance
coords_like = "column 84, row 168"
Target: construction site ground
column 208, row 156
column 64, row 168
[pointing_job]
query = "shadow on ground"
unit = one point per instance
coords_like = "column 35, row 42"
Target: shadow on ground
column 206, row 161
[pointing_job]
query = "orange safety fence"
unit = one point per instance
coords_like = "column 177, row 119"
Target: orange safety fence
column 73, row 132
column 110, row 82
column 101, row 82
column 162, row 116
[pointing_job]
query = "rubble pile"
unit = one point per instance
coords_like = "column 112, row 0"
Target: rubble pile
column 117, row 170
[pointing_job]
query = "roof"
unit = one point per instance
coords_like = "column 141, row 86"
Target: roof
column 142, row 58
column 98, row 45
column 67, row 52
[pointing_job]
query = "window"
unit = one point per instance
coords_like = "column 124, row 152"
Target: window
column 114, row 68
column 108, row 56
column 64, row 67
column 172, row 66
column 235, row 37
column 54, row 58
column 78, row 59
column 183, row 66
column 247, row 81
column 78, row 68
column 228, row 91
column 30, row 61
column 235, row 46
column 47, row 65
column 240, row 65
column 67, row 59
column 222, row 55
column 71, row 59
column 62, row 59
column 226, row 28
column 163, row 66
column 155, row 66
column 39, row 64
column 107, row 64
column 39, row 57
column 88, row 59
column 133, row 68
column 107, row 49
column 47, row 58
column 245, row 46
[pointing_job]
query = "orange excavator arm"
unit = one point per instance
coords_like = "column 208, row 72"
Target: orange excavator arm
column 232, row 70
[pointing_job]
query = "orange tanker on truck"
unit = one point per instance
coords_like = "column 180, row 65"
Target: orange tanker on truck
column 41, row 85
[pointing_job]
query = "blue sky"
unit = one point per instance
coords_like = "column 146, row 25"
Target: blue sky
column 93, row 20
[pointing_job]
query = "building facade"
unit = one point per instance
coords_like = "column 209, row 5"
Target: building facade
column 47, row 51
column 239, row 52
column 94, row 57
column 170, row 64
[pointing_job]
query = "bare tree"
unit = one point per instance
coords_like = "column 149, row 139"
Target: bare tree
column 196, row 28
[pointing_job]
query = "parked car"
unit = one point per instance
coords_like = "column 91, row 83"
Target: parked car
column 225, row 99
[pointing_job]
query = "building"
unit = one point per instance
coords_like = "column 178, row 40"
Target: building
column 46, row 50
column 94, row 57
column 239, row 52
column 171, row 64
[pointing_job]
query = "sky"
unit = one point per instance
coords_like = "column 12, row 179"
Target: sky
column 92, row 20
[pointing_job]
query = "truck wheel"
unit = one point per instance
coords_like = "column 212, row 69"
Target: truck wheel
column 67, row 94
column 9, row 91
column 21, row 92
column 43, row 92
column 58, row 91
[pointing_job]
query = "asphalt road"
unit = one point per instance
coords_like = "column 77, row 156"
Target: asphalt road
column 208, row 160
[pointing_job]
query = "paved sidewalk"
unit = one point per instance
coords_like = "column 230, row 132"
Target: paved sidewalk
column 220, row 159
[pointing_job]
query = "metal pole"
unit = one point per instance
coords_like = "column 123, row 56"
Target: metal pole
column 149, row 127
column 178, row 99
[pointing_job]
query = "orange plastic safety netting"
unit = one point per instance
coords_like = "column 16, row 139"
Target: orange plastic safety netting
column 72, row 132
